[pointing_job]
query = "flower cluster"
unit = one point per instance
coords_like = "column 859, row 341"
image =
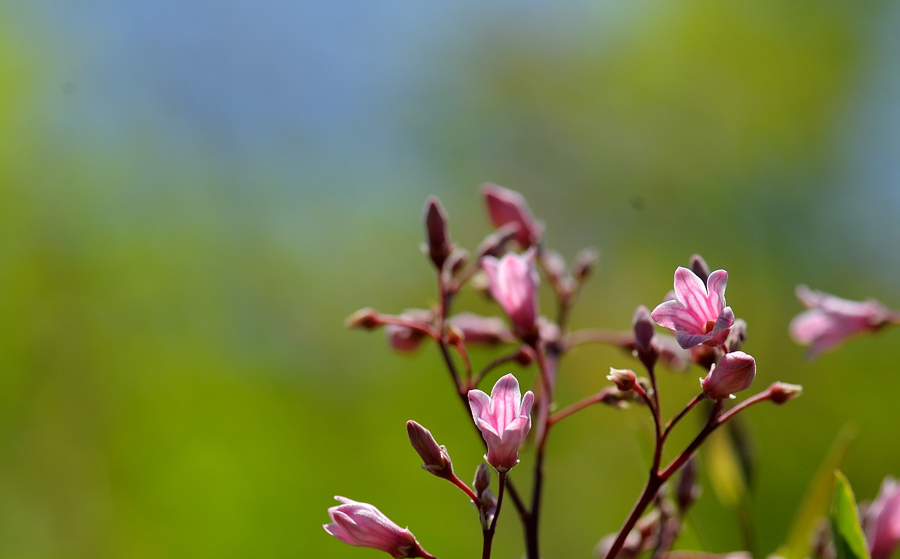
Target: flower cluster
column 510, row 266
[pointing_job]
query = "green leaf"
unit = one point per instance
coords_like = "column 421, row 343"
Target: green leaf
column 849, row 542
column 817, row 498
column 724, row 468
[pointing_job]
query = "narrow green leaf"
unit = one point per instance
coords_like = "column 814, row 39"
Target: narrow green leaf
column 724, row 468
column 849, row 542
column 816, row 499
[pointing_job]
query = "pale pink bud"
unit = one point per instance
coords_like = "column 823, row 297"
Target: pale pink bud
column 513, row 284
column 363, row 525
column 484, row 330
column 698, row 314
column 624, row 379
column 404, row 338
column 435, row 458
column 504, row 419
column 438, row 246
column 830, row 320
column 883, row 520
column 781, row 392
column 508, row 206
column 734, row 372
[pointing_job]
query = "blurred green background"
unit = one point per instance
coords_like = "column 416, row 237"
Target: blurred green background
column 195, row 194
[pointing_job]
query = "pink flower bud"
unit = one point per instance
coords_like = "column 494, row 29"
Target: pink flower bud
column 624, row 379
column 406, row 339
column 513, row 284
column 366, row 319
column 438, row 246
column 504, row 420
column 883, row 520
column 584, row 263
column 734, row 372
column 482, row 479
column 508, row 206
column 698, row 314
column 700, row 267
column 643, row 328
column 830, row 320
column 435, row 458
column 781, row 392
column 363, row 525
column 477, row 329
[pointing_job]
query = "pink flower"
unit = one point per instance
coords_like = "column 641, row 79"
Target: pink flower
column 508, row 206
column 830, row 320
column 734, row 372
column 513, row 284
column 504, row 420
column 363, row 525
column 883, row 520
column 698, row 314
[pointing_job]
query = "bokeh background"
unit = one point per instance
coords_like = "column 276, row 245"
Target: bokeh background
column 195, row 194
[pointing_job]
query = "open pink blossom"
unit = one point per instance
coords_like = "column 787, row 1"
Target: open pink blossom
column 504, row 419
column 513, row 284
column 883, row 520
column 508, row 206
column 363, row 525
column 698, row 314
column 829, row 320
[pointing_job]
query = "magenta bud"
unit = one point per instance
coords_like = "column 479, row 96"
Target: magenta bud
column 624, row 379
column 700, row 267
column 435, row 458
column 439, row 246
column 584, row 263
column 781, row 392
column 525, row 356
column 642, row 324
column 508, row 206
column 454, row 263
column 737, row 336
column 366, row 319
column 404, row 338
column 482, row 330
column 482, row 479
column 734, row 372
column 363, row 525
column 513, row 285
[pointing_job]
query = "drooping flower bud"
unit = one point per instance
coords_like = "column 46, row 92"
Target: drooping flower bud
column 504, row 419
column 366, row 319
column 435, row 458
column 513, row 284
column 781, row 392
column 483, row 330
column 584, row 263
column 624, row 379
column 734, row 372
column 737, row 336
column 438, row 246
column 406, row 339
column 508, row 206
column 363, row 525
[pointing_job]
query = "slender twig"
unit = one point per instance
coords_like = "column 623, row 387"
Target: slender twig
column 578, row 406
column 672, row 422
column 503, row 359
column 600, row 336
column 489, row 531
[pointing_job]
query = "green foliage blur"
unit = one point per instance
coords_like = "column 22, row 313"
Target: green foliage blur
column 175, row 377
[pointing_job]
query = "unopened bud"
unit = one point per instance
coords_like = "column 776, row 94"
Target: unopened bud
column 406, row 338
column 525, row 356
column 642, row 324
column 455, row 336
column 554, row 265
column 584, row 264
column 781, row 392
column 734, row 372
column 436, row 233
column 367, row 319
column 454, row 263
column 482, row 479
column 477, row 329
column 617, row 399
column 670, row 353
column 495, row 243
column 737, row 336
column 624, row 379
column 705, row 356
column 688, row 490
column 508, row 206
column 435, row 458
column 700, row 267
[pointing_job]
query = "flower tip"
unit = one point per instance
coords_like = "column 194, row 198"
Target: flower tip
column 781, row 392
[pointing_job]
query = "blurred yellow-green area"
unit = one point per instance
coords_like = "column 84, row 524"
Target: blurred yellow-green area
column 195, row 194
